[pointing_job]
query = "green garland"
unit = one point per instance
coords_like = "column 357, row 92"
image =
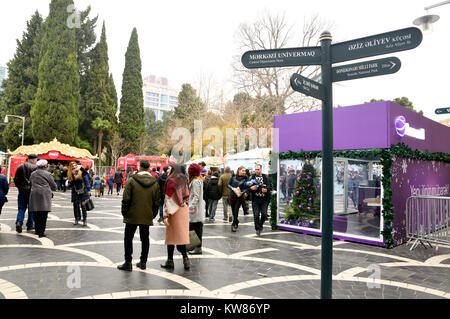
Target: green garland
column 386, row 157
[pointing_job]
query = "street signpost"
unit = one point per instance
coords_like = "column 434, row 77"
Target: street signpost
column 281, row 57
column 366, row 69
column 445, row 110
column 326, row 55
column 384, row 43
column 306, row 86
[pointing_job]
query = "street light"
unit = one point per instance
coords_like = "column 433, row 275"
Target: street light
column 426, row 21
column 23, row 123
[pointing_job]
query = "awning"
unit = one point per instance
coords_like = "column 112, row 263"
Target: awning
column 54, row 150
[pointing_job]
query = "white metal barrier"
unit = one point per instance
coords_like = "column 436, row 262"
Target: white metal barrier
column 427, row 220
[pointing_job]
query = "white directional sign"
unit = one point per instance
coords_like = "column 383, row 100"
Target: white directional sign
column 365, row 69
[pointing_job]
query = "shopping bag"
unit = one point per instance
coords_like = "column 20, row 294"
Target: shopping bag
column 89, row 205
column 194, row 241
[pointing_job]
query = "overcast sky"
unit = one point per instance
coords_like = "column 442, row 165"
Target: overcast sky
column 182, row 39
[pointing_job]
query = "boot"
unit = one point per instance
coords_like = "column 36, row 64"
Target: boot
column 19, row 228
column 127, row 266
column 168, row 265
column 76, row 222
column 186, row 263
column 141, row 265
column 84, row 223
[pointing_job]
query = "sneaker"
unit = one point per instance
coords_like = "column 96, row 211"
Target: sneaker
column 18, row 228
column 230, row 219
column 196, row 251
column 186, row 263
column 233, row 228
column 225, row 220
column 42, row 235
column 127, row 266
column 141, row 265
column 76, row 222
column 160, row 220
column 30, row 228
column 168, row 265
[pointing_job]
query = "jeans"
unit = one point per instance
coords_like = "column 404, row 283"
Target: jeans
column 212, row 208
column 22, row 204
column 110, row 188
column 40, row 219
column 58, row 185
column 161, row 211
column 119, row 186
column 259, row 213
column 144, row 232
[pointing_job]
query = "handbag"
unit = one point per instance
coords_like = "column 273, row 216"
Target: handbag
column 90, row 204
column 194, row 241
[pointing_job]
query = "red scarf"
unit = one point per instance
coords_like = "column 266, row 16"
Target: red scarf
column 179, row 193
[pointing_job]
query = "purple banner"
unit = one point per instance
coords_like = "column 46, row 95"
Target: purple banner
column 411, row 177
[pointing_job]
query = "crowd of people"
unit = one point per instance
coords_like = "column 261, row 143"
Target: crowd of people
column 182, row 199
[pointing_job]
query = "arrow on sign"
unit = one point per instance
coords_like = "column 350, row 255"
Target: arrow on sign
column 444, row 110
column 306, row 86
column 281, row 57
column 384, row 43
column 366, row 69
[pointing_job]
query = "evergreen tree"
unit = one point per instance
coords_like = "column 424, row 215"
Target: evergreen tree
column 55, row 111
column 190, row 106
column 131, row 126
column 305, row 207
column 21, row 86
column 99, row 102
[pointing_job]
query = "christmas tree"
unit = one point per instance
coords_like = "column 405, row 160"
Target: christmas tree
column 305, row 208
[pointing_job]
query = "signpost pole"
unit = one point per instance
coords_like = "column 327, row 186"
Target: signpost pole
column 327, row 169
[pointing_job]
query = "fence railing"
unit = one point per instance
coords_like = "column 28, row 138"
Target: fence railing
column 427, row 220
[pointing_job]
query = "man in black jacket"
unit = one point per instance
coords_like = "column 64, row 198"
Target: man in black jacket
column 22, row 182
column 260, row 197
column 162, row 190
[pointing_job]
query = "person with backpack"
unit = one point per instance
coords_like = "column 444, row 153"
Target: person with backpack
column 118, row 178
column 213, row 194
column 110, row 181
column 79, row 183
column 97, row 186
column 22, row 182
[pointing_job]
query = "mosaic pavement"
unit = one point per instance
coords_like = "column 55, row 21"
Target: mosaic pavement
column 80, row 262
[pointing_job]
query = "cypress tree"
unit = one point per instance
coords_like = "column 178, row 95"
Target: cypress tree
column 55, row 111
column 131, row 126
column 99, row 102
column 21, row 86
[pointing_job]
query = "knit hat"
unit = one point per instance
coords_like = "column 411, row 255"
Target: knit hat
column 41, row 163
column 194, row 169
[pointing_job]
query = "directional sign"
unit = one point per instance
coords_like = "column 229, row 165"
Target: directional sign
column 365, row 69
column 281, row 57
column 306, row 86
column 384, row 43
column 444, row 110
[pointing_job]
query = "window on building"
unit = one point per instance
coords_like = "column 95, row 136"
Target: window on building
column 164, row 98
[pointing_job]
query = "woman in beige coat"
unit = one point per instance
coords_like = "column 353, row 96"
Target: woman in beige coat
column 176, row 215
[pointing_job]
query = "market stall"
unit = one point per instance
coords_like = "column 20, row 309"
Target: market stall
column 383, row 154
column 54, row 152
column 249, row 158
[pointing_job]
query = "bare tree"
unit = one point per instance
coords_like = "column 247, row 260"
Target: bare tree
column 273, row 31
column 117, row 144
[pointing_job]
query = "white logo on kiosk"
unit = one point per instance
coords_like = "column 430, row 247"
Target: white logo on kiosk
column 403, row 128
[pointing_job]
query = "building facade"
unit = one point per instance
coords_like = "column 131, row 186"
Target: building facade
column 2, row 75
column 159, row 96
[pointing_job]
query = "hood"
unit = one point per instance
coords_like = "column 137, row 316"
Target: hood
column 144, row 180
column 30, row 166
column 97, row 178
column 163, row 177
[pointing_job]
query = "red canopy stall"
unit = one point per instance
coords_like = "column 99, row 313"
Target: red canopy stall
column 54, row 152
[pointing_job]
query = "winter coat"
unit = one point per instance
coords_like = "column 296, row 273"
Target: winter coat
column 22, row 177
column 4, row 188
column 111, row 181
column 79, row 184
column 162, row 186
column 57, row 174
column 195, row 202
column 233, row 183
column 42, row 185
column 223, row 182
column 97, row 183
column 212, row 189
column 140, row 201
column 258, row 194
column 118, row 177
column 177, row 233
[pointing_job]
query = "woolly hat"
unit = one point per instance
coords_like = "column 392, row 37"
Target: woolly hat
column 41, row 163
column 194, row 169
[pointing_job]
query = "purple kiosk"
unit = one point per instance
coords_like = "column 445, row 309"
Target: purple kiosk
column 419, row 164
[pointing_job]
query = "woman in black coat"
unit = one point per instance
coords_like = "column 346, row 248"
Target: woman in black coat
column 79, row 183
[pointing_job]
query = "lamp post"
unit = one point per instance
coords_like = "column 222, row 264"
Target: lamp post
column 426, row 21
column 23, row 123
